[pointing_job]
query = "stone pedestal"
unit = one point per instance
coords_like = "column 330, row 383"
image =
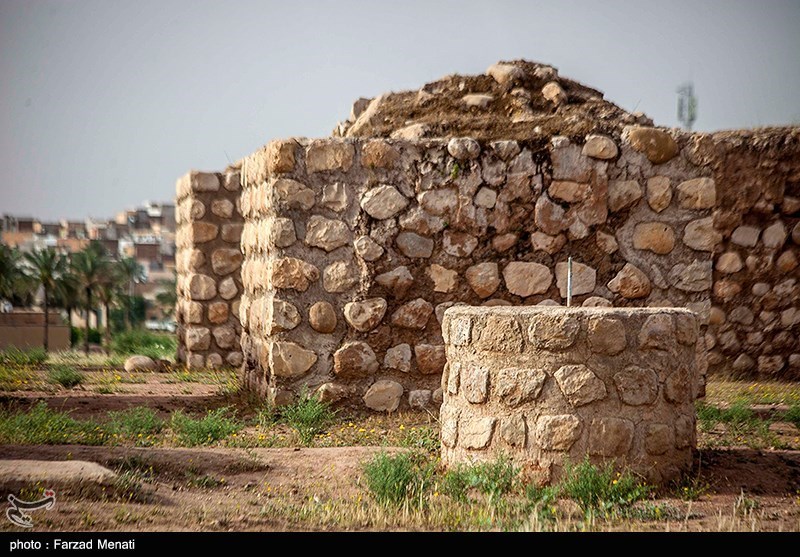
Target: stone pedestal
column 548, row 385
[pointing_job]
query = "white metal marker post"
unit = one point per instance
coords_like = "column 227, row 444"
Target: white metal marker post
column 569, row 281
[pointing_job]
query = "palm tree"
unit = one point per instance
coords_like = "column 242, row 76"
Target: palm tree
column 130, row 272
column 109, row 291
column 10, row 271
column 90, row 267
column 45, row 268
column 67, row 293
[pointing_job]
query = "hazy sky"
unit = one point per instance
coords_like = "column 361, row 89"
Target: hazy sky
column 104, row 103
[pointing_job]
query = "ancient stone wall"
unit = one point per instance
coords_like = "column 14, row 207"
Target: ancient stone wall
column 547, row 386
column 355, row 247
column 208, row 262
column 755, row 319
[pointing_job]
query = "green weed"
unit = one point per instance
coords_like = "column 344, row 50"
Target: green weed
column 601, row 489
column 42, row 426
column 13, row 356
column 397, row 479
column 494, row 479
column 308, row 416
column 215, row 425
column 66, row 376
column 792, row 415
column 139, row 424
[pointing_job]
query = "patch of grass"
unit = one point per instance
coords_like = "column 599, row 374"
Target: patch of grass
column 690, row 488
column 425, row 438
column 145, row 343
column 79, row 359
column 66, row 376
column 398, row 479
column 193, row 479
column 138, row 465
column 650, row 511
column 13, row 356
column 17, row 378
column 267, row 417
column 128, row 487
column 601, row 489
column 308, row 416
column 42, row 426
column 215, row 425
column 139, row 424
column 721, row 391
column 792, row 415
column 707, row 416
column 494, row 479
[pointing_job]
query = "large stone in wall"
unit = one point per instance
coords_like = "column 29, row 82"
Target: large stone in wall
column 430, row 358
column 700, row 234
column 414, row 246
column 600, row 147
column 631, row 282
column 202, row 287
column 610, row 436
column 354, row 359
column 558, row 433
column 198, row 338
column 366, row 315
column 322, row 317
column 383, row 202
column 327, row 234
column 579, row 384
column 224, row 260
column 384, row 396
column 483, row 278
column 698, row 193
column 515, row 386
column 292, row 194
column 623, row 193
column 657, row 145
column 288, row 359
column 202, row 232
column 413, row 315
column 293, row 273
column 526, row 279
column 657, row 237
column 397, row 281
column 584, row 278
column 327, row 155
column 340, row 276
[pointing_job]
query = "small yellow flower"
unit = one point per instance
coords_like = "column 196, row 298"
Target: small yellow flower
column 402, row 427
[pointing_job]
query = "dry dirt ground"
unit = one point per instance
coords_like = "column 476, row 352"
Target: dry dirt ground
column 741, row 481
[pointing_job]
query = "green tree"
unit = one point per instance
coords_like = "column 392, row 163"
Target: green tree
column 109, row 292
column 45, row 268
column 10, row 271
column 130, row 272
column 168, row 297
column 67, row 294
column 90, row 267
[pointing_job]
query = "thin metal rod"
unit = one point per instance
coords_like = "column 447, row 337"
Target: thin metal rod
column 569, row 281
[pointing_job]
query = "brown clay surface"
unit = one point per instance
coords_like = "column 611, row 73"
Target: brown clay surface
column 269, row 489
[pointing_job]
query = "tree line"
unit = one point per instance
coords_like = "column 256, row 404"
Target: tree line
column 86, row 280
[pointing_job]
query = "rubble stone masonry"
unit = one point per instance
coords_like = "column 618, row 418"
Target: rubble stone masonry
column 354, row 248
column 208, row 263
column 546, row 386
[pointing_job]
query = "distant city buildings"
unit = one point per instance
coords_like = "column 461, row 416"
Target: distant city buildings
column 145, row 233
